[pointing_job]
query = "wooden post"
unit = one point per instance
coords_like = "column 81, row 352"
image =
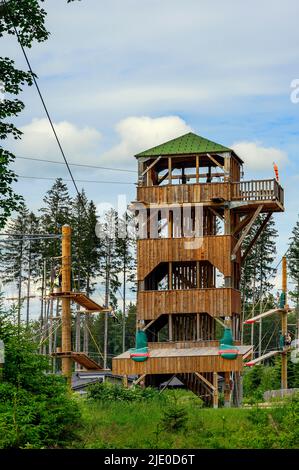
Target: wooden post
column 125, row 381
column 197, row 168
column 284, row 327
column 227, row 390
column 66, row 342
column 169, row 171
column 215, row 392
column 170, row 329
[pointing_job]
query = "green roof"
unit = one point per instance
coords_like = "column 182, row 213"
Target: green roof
column 185, row 145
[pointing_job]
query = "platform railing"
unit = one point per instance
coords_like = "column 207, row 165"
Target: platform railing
column 257, row 190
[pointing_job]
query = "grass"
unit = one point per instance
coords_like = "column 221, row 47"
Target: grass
column 121, row 425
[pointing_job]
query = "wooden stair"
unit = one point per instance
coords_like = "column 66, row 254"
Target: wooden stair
column 249, row 321
column 81, row 298
column 197, row 386
column 81, row 358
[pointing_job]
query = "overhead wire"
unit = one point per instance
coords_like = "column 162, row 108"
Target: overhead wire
column 84, row 165
column 78, row 181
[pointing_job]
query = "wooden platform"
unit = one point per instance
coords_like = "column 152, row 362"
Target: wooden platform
column 217, row 302
column 81, row 358
column 81, row 298
column 175, row 360
column 251, row 193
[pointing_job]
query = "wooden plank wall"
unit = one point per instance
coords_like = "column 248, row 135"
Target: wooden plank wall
column 217, row 302
column 186, row 328
column 215, row 249
column 171, row 194
column 176, row 364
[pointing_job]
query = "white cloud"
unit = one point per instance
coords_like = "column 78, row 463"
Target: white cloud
column 140, row 133
column 257, row 157
column 79, row 143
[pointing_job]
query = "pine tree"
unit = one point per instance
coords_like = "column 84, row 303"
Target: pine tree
column 86, row 254
column 125, row 247
column 55, row 213
column 20, row 255
column 293, row 268
column 110, row 266
column 256, row 276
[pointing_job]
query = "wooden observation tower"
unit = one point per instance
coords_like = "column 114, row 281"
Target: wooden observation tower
column 193, row 214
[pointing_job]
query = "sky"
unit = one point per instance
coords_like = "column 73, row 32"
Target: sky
column 120, row 76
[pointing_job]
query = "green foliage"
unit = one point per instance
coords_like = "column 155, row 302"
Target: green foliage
column 36, row 409
column 25, row 19
column 258, row 380
column 107, row 391
column 174, row 416
column 130, row 425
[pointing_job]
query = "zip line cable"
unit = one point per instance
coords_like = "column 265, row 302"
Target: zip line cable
column 45, row 107
column 77, row 164
column 78, row 181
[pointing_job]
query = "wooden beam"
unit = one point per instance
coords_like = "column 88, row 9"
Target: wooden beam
column 245, row 232
column 137, row 381
column 215, row 393
column 169, row 171
column 197, row 169
column 215, row 161
column 256, row 236
column 151, row 166
column 243, row 224
column 149, row 324
column 204, row 380
column 216, row 213
column 219, row 321
column 170, row 329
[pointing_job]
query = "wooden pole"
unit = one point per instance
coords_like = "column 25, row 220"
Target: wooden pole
column 215, row 392
column 284, row 327
column 169, row 171
column 66, row 342
column 227, row 390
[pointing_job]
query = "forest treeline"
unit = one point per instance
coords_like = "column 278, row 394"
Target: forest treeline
column 105, row 267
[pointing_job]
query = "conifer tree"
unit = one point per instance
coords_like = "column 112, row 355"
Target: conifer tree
column 257, row 275
column 293, row 268
column 125, row 248
column 54, row 214
column 110, row 266
column 86, row 254
column 20, row 254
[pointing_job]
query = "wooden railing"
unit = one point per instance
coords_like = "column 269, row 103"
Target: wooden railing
column 254, row 190
column 257, row 190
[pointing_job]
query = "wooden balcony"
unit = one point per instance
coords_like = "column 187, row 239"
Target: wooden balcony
column 176, row 360
column 215, row 249
column 267, row 192
column 218, row 302
column 255, row 192
column 183, row 193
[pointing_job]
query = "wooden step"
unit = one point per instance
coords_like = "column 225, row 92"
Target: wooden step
column 262, row 358
column 267, row 314
column 81, row 358
column 82, row 299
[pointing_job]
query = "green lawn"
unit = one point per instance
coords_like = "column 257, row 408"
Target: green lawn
column 118, row 424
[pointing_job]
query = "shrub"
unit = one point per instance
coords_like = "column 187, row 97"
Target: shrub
column 36, row 408
column 115, row 392
column 174, row 417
